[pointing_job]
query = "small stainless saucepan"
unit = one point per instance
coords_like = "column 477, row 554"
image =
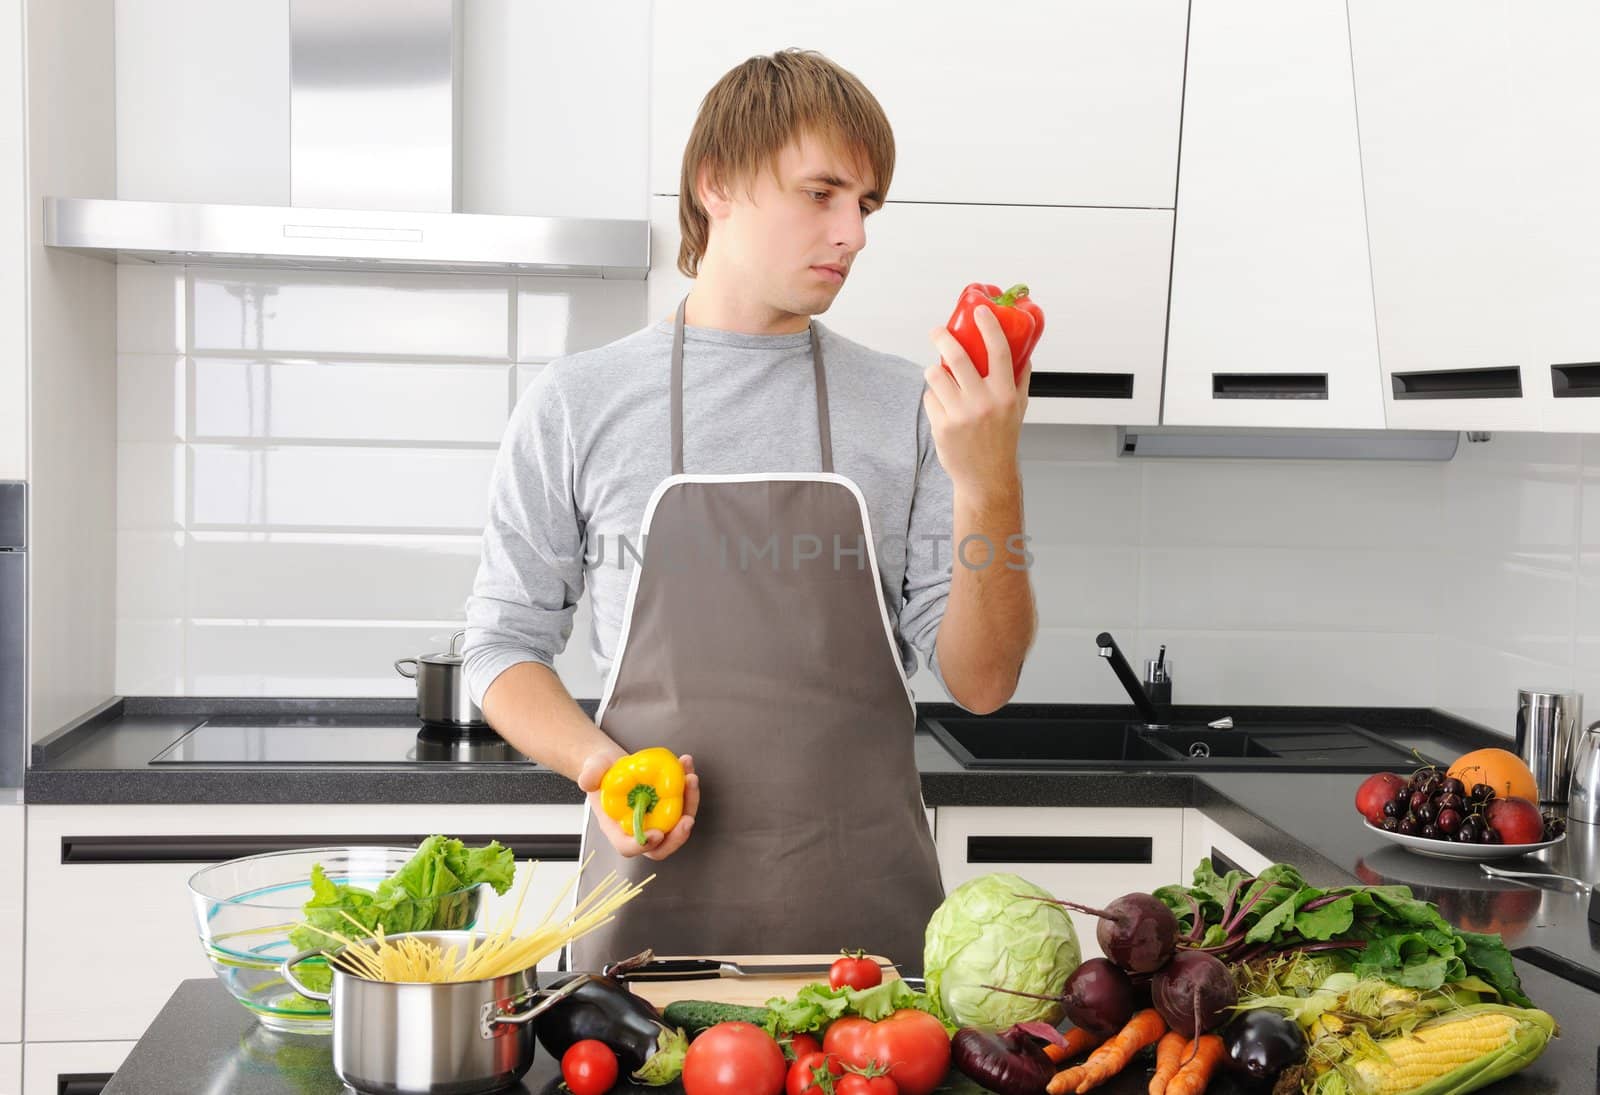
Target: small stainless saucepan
column 449, row 1038
column 442, row 696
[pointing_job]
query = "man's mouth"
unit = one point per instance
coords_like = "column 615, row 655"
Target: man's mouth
column 831, row 272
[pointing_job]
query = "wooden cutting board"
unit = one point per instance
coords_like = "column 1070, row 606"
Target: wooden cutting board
column 748, row 991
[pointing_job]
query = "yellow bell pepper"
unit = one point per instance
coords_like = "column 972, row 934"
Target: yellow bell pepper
column 643, row 791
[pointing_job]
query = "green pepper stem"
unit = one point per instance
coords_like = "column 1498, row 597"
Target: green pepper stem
column 642, row 798
column 1012, row 295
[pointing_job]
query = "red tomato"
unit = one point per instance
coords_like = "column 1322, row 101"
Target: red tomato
column 797, row 1046
column 850, row 1040
column 857, row 1084
column 912, row 1044
column 805, row 1069
column 589, row 1067
column 855, row 971
column 734, row 1059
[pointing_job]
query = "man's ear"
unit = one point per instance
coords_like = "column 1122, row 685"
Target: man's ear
column 713, row 197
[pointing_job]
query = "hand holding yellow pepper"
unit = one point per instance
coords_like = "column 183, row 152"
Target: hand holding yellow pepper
column 643, row 791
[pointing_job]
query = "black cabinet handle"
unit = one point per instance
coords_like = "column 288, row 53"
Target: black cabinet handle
column 81, row 1083
column 1059, row 849
column 1269, row 385
column 1499, row 382
column 1223, row 864
column 547, row 847
column 1578, row 380
column 1063, row 385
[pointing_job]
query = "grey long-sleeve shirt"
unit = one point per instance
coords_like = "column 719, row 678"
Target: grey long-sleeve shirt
column 589, row 442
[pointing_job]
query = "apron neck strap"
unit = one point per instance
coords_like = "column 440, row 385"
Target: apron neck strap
column 824, row 433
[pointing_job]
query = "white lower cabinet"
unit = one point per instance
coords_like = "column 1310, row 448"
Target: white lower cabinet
column 1084, row 854
column 1204, row 838
column 11, row 830
column 51, row 1068
column 106, row 891
column 10, row 1068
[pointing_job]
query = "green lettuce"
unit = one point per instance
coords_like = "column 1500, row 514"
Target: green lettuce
column 430, row 891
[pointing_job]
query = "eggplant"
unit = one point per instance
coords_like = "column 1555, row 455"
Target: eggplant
column 604, row 1009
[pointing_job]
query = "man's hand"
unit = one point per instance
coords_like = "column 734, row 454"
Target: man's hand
column 657, row 845
column 977, row 420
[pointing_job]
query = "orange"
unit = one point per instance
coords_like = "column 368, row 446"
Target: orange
column 1500, row 769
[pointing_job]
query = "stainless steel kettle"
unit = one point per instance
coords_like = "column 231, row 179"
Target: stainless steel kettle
column 442, row 696
column 1583, row 802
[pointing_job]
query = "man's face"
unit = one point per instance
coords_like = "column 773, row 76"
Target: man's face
column 792, row 239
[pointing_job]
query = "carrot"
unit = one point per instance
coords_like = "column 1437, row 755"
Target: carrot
column 1079, row 1041
column 1170, row 1052
column 1145, row 1028
column 1193, row 1077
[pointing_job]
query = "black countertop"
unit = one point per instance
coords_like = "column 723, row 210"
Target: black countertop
column 106, row 759
column 203, row 1041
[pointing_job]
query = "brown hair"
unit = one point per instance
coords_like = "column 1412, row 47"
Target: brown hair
column 755, row 110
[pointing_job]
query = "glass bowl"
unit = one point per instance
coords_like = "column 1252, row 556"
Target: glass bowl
column 246, row 908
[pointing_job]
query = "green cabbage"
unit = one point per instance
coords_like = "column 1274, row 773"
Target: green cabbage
column 984, row 934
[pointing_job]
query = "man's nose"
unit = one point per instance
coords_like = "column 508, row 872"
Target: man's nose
column 850, row 233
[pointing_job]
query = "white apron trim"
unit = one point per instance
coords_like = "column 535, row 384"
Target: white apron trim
column 752, row 477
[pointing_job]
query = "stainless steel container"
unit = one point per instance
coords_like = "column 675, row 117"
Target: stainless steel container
column 1583, row 803
column 442, row 695
column 456, row 1038
column 1547, row 723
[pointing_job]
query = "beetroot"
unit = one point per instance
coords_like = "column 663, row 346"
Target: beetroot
column 1193, row 992
column 1136, row 931
column 1098, row 996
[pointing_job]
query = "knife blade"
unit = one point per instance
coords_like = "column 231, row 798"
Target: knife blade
column 696, row 969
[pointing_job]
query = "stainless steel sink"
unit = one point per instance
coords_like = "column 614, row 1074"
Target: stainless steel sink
column 1016, row 742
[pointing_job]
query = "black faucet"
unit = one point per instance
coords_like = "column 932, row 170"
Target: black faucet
column 1130, row 683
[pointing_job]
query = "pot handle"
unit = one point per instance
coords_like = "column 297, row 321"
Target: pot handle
column 412, row 662
column 286, row 967
column 493, row 1017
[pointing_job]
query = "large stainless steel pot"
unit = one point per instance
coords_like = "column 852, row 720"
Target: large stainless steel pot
column 442, row 695
column 456, row 1038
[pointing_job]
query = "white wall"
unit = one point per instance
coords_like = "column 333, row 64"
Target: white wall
column 13, row 250
column 72, row 377
column 304, row 465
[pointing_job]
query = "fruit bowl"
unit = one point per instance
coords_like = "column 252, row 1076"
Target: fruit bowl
column 1449, row 849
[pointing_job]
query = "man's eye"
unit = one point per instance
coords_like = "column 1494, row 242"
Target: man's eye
column 817, row 193
column 866, row 211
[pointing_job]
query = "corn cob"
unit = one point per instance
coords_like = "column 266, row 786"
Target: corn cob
column 1449, row 1055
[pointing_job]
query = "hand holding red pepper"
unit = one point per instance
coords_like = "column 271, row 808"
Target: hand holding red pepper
column 976, row 414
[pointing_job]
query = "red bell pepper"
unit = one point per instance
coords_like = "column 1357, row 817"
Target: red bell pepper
column 1020, row 318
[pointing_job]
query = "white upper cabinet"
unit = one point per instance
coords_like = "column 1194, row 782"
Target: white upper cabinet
column 1479, row 125
column 1039, row 103
column 1099, row 274
column 1271, row 319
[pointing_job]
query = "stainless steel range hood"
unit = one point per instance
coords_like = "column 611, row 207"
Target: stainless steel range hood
column 374, row 165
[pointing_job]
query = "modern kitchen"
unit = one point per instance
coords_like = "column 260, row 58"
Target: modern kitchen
column 320, row 309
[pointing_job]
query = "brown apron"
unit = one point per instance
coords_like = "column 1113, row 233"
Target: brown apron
column 756, row 639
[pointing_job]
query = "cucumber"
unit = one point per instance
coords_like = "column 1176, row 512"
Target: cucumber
column 695, row 1016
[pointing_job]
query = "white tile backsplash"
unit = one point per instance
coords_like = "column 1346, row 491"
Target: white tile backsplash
column 304, row 460
column 354, row 487
column 393, row 315
column 349, row 400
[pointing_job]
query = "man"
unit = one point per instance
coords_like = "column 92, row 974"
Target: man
column 746, row 614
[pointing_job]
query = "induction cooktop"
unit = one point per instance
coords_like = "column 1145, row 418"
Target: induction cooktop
column 292, row 741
